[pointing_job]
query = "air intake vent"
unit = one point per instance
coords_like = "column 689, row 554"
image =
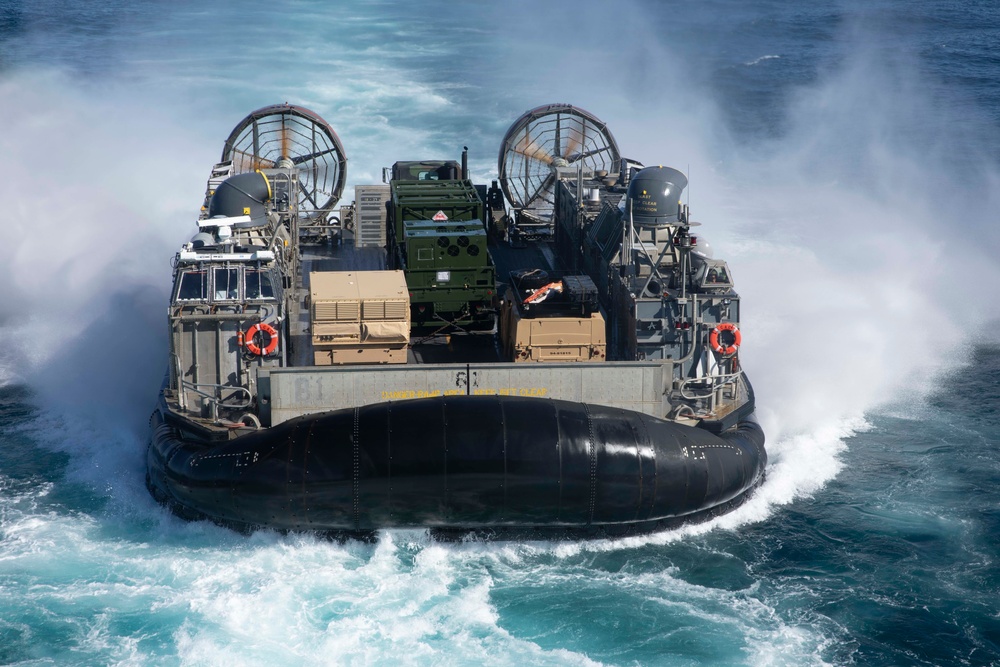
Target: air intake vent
column 337, row 311
column 384, row 310
column 396, row 310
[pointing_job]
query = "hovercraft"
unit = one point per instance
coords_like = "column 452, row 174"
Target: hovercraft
column 557, row 352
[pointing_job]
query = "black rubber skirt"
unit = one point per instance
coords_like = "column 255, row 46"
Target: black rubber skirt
column 464, row 463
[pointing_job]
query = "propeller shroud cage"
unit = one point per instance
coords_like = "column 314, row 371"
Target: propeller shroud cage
column 261, row 139
column 546, row 138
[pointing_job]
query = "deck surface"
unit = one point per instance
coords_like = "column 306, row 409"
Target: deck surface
column 455, row 347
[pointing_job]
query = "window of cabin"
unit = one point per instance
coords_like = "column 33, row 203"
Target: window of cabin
column 258, row 284
column 716, row 275
column 193, row 286
column 227, row 284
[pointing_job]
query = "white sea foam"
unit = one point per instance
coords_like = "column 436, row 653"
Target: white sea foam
column 757, row 61
column 221, row 598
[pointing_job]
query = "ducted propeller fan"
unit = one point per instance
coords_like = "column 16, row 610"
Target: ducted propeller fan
column 267, row 135
column 544, row 140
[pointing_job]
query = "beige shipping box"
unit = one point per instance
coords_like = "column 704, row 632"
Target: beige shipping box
column 550, row 339
column 359, row 317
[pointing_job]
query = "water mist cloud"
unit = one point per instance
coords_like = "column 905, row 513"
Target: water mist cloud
column 868, row 237
column 100, row 193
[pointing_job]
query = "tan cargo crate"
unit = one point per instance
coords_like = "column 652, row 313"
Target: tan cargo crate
column 551, row 339
column 359, row 316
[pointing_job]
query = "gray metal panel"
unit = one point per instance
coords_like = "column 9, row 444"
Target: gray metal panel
column 209, row 355
column 371, row 215
column 631, row 385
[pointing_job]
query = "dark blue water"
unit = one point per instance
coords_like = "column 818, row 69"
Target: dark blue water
column 842, row 158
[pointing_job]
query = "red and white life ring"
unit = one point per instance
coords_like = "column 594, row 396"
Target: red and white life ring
column 253, row 347
column 725, row 350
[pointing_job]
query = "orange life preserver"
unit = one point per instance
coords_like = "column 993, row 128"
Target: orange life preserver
column 251, row 339
column 725, row 350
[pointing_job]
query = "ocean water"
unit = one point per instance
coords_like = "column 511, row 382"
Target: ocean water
column 842, row 157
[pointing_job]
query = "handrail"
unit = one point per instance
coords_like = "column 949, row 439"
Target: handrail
column 712, row 394
column 215, row 397
column 716, row 381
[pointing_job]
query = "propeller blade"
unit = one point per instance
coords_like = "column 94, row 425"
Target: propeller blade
column 256, row 162
column 580, row 156
column 250, row 162
column 571, row 145
column 548, row 160
column 529, row 148
column 284, row 138
column 312, row 156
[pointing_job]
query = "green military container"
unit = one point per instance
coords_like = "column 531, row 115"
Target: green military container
column 445, row 245
column 449, row 273
column 431, row 200
column 436, row 235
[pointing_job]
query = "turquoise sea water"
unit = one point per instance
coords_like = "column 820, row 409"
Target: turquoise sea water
column 842, row 158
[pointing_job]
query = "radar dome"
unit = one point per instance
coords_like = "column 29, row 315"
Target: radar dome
column 202, row 240
column 655, row 195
